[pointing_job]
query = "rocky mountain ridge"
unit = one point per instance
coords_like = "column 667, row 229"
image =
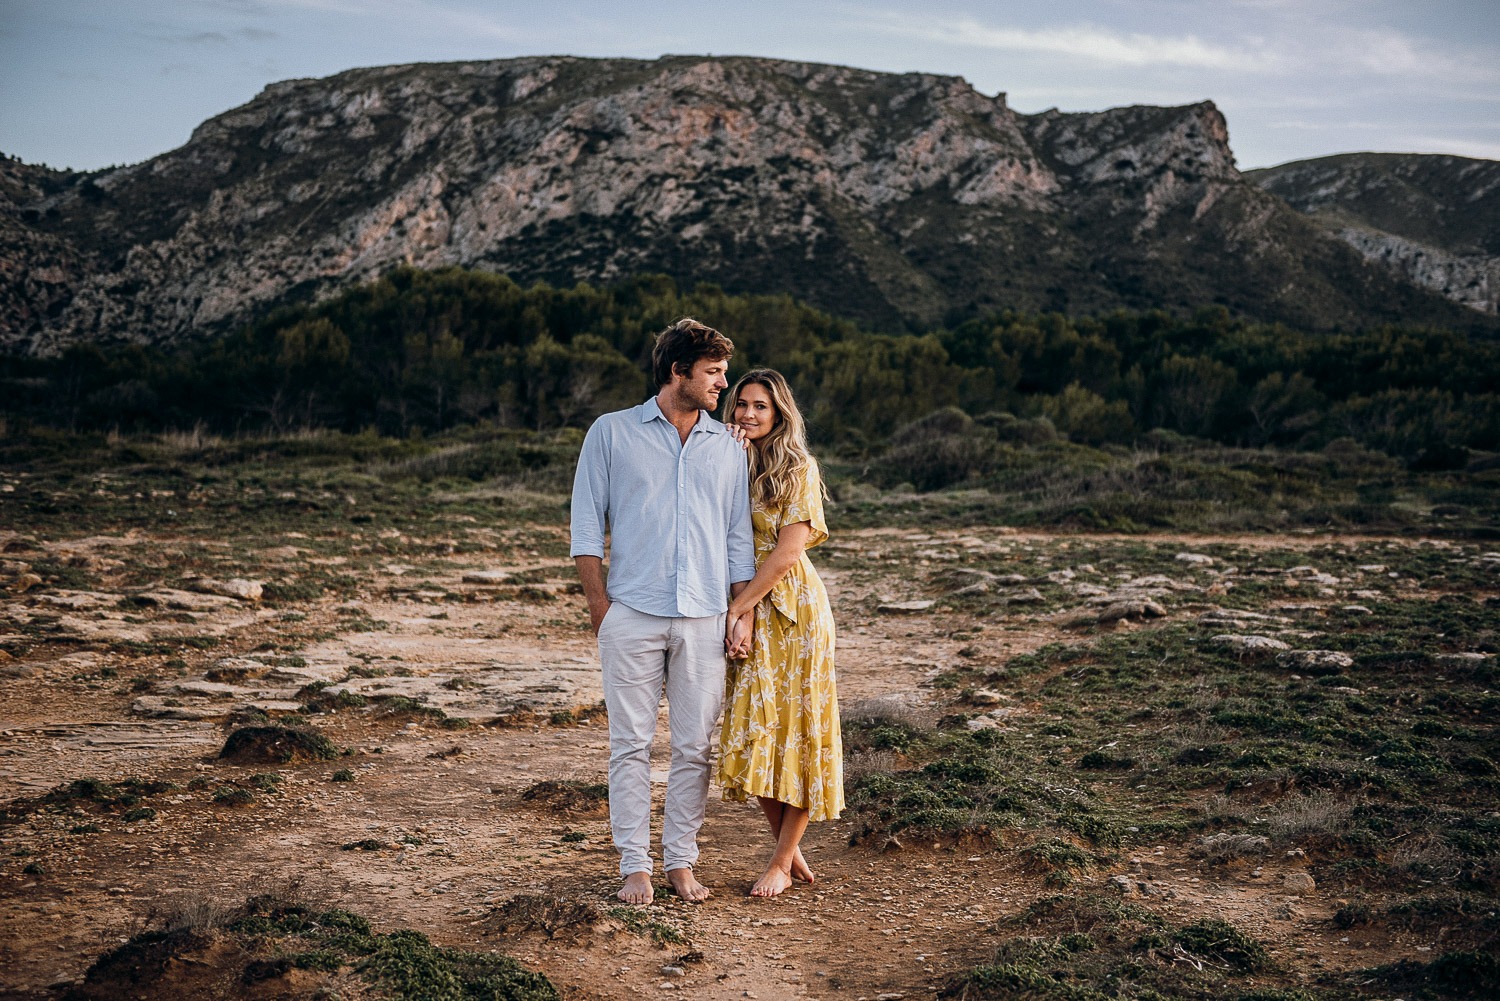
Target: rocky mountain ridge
column 1430, row 218
column 899, row 200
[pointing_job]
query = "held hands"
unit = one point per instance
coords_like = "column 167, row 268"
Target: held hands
column 738, row 632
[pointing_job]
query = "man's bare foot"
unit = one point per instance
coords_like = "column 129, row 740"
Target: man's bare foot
column 772, row 883
column 637, row 889
column 800, row 869
column 686, row 885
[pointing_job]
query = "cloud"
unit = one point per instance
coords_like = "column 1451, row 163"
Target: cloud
column 196, row 38
column 1389, row 53
column 1458, row 147
column 409, row 13
column 1085, row 42
column 1324, row 125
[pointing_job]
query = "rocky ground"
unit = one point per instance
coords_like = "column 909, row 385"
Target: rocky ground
column 456, row 686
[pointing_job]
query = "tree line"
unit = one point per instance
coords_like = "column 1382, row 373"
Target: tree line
column 424, row 351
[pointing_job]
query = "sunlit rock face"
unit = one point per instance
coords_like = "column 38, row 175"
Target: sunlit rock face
column 1433, row 220
column 899, row 200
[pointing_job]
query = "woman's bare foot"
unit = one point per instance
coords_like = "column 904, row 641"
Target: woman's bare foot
column 800, row 869
column 637, row 889
column 773, row 882
column 686, row 885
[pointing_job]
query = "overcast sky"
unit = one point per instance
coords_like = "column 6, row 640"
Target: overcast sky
column 87, row 83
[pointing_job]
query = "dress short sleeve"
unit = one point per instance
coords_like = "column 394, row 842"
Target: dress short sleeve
column 807, row 505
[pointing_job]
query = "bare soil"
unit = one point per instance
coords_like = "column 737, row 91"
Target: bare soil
column 448, row 834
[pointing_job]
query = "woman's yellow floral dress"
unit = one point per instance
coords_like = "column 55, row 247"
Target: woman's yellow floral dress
column 781, row 717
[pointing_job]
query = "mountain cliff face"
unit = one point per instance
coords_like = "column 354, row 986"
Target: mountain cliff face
column 1433, row 220
column 895, row 199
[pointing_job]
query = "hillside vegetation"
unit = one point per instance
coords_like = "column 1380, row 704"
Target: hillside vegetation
column 428, row 351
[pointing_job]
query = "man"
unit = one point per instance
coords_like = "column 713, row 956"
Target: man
column 671, row 484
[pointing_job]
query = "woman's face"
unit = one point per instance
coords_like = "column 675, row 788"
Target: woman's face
column 754, row 412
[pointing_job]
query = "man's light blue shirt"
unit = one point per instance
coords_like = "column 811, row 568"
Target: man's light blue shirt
column 678, row 514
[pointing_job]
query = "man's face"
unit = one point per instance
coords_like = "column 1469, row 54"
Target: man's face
column 701, row 387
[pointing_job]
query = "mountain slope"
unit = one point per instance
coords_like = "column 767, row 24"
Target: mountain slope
column 895, row 199
column 1432, row 219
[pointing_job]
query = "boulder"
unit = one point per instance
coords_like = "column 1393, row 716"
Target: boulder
column 236, row 587
column 1315, row 661
column 1131, row 608
column 1299, row 883
column 1250, row 644
column 277, row 745
column 904, row 607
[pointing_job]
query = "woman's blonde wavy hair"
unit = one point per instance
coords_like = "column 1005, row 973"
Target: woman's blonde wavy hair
column 780, row 460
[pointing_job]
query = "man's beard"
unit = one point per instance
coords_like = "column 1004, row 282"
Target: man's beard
column 697, row 399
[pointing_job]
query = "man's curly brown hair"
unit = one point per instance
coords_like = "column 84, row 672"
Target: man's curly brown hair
column 682, row 345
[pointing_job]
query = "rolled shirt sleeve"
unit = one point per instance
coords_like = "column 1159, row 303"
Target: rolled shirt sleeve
column 741, row 542
column 591, row 494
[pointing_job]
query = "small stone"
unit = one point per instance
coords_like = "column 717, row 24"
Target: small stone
column 236, row 587
column 1123, row 885
column 1313, row 660
column 1250, row 644
column 1299, row 883
column 673, row 971
column 981, row 723
column 1030, row 596
column 24, row 583
column 489, row 577
column 987, row 697
column 1196, row 558
column 1357, row 610
column 904, row 607
column 1135, row 608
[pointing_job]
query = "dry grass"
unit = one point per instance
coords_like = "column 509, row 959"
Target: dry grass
column 1290, row 818
column 885, row 710
column 859, row 766
column 1218, row 849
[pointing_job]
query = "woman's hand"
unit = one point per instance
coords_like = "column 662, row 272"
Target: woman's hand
column 738, row 433
column 738, row 633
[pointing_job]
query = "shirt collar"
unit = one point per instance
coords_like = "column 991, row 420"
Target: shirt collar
column 651, row 410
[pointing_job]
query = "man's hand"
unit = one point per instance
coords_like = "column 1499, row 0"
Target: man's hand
column 591, row 574
column 739, row 636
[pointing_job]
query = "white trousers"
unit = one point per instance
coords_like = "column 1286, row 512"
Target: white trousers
column 643, row 655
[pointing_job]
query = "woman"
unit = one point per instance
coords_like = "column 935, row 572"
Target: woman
column 780, row 742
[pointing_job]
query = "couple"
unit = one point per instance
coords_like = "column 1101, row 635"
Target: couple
column 709, row 587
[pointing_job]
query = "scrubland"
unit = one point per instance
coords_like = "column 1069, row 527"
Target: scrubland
column 316, row 715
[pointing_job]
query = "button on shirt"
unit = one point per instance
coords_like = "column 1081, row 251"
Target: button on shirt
column 678, row 513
